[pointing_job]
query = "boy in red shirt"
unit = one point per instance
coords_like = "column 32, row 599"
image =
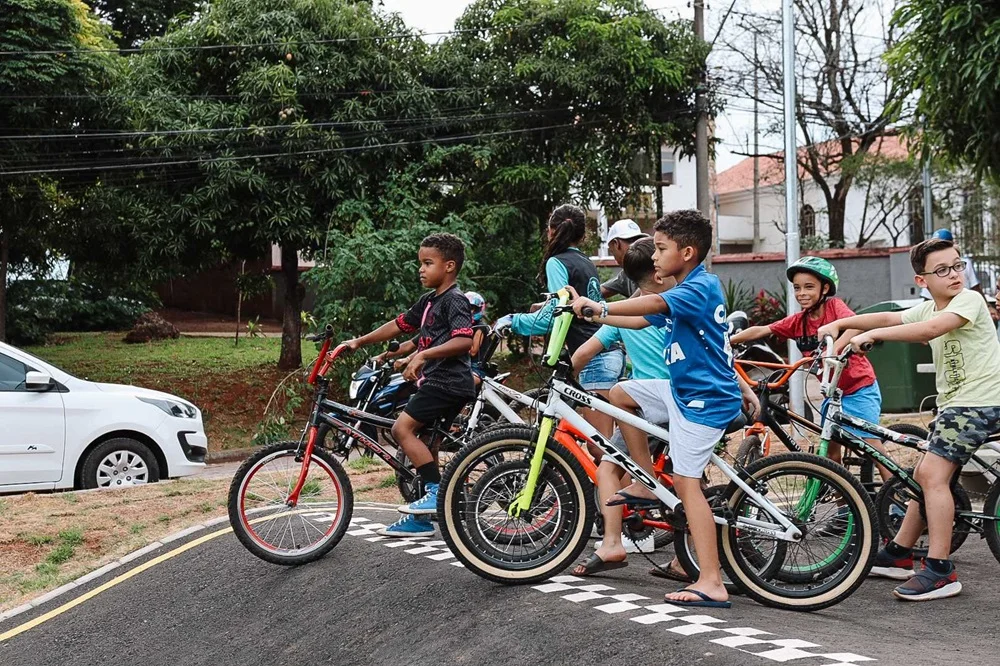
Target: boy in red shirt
column 815, row 281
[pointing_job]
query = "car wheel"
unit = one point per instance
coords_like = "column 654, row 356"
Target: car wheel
column 118, row 463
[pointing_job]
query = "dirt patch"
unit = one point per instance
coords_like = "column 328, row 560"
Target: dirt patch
column 206, row 322
column 49, row 540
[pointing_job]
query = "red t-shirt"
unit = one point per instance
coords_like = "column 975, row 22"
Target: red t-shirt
column 859, row 372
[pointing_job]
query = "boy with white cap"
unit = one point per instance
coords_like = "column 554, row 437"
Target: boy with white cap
column 620, row 237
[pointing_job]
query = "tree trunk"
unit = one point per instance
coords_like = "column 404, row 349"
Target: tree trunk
column 291, row 346
column 239, row 300
column 837, row 208
column 4, row 261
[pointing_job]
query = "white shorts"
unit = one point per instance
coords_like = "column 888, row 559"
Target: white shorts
column 691, row 444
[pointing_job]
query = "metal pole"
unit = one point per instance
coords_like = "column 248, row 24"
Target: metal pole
column 701, row 128
column 797, row 387
column 928, row 198
column 756, row 152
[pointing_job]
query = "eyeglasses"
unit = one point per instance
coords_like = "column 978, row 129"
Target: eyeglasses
column 945, row 271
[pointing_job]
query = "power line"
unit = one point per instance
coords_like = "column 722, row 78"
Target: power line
column 348, row 149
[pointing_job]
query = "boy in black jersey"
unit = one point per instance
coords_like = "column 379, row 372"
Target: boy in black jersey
column 440, row 366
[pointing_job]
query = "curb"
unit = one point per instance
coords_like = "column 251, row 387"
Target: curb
column 125, row 559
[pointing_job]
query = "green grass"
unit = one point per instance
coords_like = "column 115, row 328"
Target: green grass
column 136, row 528
column 104, row 357
column 366, row 464
column 36, row 539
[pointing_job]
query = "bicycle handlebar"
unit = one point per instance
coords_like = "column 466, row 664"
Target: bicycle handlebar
column 327, row 334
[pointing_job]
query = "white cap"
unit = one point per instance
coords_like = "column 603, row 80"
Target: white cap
column 624, row 229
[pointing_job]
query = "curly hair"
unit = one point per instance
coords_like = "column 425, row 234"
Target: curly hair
column 687, row 228
column 450, row 246
column 638, row 261
column 570, row 224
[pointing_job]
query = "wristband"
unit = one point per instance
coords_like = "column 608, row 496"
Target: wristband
column 604, row 309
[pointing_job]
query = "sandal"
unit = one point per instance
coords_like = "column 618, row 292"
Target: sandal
column 628, row 499
column 594, row 564
column 704, row 601
column 670, row 573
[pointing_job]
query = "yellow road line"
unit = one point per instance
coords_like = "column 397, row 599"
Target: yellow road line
column 31, row 624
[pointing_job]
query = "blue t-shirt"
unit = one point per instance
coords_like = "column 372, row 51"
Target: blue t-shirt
column 696, row 348
column 643, row 346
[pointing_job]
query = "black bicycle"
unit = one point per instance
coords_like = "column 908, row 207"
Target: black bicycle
column 291, row 502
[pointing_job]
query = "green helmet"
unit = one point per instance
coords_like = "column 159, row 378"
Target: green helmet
column 819, row 267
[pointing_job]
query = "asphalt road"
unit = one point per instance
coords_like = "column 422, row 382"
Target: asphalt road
column 369, row 603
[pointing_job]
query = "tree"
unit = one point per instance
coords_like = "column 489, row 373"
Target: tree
column 273, row 140
column 893, row 198
column 947, row 57
column 565, row 96
column 135, row 21
column 844, row 100
column 56, row 59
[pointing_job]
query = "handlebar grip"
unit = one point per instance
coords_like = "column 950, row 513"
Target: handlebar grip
column 588, row 312
column 393, row 347
column 867, row 347
column 315, row 337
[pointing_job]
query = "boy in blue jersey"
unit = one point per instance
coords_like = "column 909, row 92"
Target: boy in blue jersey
column 702, row 397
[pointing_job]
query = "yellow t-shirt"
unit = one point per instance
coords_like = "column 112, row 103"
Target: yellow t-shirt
column 967, row 359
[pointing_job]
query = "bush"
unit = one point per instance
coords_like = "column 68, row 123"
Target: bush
column 36, row 308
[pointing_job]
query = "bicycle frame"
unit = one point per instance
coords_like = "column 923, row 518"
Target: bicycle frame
column 556, row 408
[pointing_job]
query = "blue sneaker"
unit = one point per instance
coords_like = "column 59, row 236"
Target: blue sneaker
column 408, row 526
column 426, row 505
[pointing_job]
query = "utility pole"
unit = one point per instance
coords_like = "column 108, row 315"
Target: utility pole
column 756, row 152
column 701, row 128
column 797, row 386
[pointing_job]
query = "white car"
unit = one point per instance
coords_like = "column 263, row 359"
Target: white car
column 62, row 432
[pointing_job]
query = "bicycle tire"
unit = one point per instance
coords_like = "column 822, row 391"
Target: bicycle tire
column 242, row 518
column 991, row 528
column 750, row 451
column 458, row 517
column 897, row 493
column 858, row 554
column 684, row 548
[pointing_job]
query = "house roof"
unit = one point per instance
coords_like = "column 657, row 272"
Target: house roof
column 739, row 177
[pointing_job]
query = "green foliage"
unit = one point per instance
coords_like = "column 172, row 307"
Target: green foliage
column 37, row 308
column 135, row 21
column 254, row 329
column 768, row 307
column 948, row 57
column 738, row 296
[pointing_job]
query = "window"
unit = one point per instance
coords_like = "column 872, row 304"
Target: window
column 807, row 221
column 12, row 374
column 668, row 165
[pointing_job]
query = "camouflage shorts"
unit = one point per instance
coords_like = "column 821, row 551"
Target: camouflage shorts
column 959, row 431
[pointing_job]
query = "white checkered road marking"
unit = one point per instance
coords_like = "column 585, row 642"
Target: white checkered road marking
column 678, row 620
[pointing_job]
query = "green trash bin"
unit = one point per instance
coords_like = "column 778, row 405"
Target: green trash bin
column 895, row 363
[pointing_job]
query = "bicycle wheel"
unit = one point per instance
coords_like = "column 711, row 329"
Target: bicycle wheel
column 991, row 519
column 890, row 507
column 276, row 532
column 838, row 542
column 482, row 482
column 684, row 546
column 750, row 451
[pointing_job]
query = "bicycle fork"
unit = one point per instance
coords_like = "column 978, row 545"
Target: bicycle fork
column 522, row 502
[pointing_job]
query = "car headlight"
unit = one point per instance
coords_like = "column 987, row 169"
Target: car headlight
column 173, row 407
column 354, row 388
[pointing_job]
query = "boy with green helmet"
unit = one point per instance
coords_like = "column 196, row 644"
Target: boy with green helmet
column 815, row 281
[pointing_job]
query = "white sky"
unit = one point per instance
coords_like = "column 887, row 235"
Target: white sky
column 731, row 127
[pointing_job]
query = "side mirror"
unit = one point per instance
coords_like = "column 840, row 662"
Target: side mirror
column 38, row 381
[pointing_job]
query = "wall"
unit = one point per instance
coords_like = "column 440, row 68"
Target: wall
column 866, row 276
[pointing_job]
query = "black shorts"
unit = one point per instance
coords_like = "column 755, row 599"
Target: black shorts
column 431, row 403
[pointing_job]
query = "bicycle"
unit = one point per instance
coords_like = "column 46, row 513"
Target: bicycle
column 291, row 502
column 542, row 478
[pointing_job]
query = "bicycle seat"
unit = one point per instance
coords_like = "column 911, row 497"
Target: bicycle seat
column 737, row 424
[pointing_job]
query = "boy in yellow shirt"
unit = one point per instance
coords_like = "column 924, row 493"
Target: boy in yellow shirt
column 963, row 341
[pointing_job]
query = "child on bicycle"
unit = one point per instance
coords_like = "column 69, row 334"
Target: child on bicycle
column 702, row 396
column 440, row 367
column 815, row 281
column 480, row 329
column 959, row 329
column 564, row 264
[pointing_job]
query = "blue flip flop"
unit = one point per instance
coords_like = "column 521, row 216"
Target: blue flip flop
column 631, row 500
column 705, row 601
